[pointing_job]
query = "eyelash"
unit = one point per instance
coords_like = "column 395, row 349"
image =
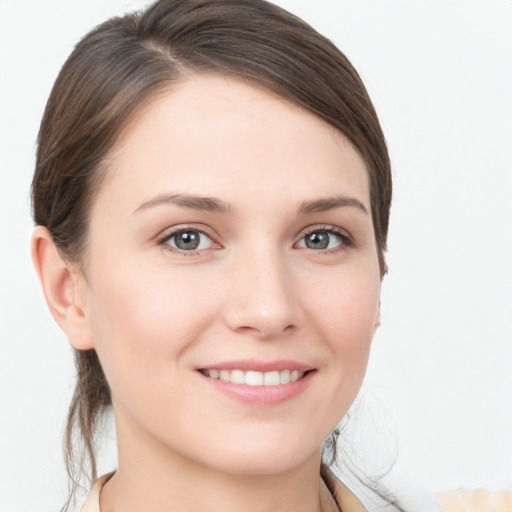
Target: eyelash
column 346, row 241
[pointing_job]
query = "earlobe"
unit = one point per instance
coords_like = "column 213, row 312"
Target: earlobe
column 61, row 288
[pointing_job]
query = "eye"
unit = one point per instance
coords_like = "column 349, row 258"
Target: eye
column 324, row 239
column 188, row 240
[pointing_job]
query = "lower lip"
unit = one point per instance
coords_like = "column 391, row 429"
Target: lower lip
column 260, row 395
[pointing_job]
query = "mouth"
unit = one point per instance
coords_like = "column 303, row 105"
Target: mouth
column 258, row 382
column 254, row 378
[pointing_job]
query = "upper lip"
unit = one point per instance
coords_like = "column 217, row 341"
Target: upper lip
column 258, row 365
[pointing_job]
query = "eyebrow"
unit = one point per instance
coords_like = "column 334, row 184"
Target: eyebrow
column 209, row 204
column 212, row 204
column 323, row 205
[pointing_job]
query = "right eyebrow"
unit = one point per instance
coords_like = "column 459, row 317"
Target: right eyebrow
column 209, row 204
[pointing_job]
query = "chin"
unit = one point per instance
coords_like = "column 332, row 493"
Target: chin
column 265, row 465
column 264, row 456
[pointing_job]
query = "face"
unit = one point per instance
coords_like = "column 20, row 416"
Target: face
column 231, row 283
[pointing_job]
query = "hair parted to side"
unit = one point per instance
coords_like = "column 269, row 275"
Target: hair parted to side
column 120, row 65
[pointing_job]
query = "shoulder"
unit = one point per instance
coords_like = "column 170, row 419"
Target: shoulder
column 478, row 500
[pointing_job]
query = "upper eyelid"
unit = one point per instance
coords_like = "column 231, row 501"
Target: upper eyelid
column 323, row 227
column 168, row 233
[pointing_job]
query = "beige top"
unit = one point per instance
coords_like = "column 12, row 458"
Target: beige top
column 341, row 499
column 479, row 500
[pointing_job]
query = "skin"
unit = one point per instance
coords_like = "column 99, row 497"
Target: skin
column 253, row 290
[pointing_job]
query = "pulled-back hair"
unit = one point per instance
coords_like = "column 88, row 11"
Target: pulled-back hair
column 119, row 66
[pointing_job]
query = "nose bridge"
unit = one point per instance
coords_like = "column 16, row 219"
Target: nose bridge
column 263, row 300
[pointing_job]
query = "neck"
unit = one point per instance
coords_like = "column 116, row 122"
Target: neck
column 151, row 477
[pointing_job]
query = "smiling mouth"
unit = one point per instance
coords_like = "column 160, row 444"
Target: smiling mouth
column 254, row 378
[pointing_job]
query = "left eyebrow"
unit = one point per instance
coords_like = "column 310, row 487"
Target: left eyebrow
column 330, row 203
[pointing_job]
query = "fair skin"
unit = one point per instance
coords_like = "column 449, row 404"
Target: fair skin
column 275, row 269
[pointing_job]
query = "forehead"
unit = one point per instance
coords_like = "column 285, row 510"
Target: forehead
column 215, row 134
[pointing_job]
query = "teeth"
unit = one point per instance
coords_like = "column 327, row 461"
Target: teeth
column 271, row 379
column 237, row 377
column 252, row 378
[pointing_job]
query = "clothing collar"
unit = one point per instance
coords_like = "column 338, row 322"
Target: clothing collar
column 92, row 503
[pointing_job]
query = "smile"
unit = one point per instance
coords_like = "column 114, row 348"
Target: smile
column 258, row 383
column 254, row 378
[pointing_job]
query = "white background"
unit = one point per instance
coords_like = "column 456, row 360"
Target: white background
column 440, row 75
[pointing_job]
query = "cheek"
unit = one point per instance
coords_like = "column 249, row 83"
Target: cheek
column 346, row 314
column 143, row 320
column 348, row 307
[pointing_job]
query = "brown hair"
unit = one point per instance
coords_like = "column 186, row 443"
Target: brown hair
column 122, row 63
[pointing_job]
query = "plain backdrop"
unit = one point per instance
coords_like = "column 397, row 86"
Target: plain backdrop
column 439, row 384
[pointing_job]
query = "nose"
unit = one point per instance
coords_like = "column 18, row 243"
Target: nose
column 263, row 297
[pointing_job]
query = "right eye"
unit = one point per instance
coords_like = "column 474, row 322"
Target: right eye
column 188, row 240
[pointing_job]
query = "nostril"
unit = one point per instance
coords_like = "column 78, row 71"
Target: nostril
column 267, row 331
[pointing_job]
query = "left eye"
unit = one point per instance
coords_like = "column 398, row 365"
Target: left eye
column 189, row 240
column 320, row 240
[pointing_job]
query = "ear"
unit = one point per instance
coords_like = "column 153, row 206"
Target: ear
column 63, row 288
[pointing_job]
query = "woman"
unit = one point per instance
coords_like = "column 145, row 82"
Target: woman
column 211, row 194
